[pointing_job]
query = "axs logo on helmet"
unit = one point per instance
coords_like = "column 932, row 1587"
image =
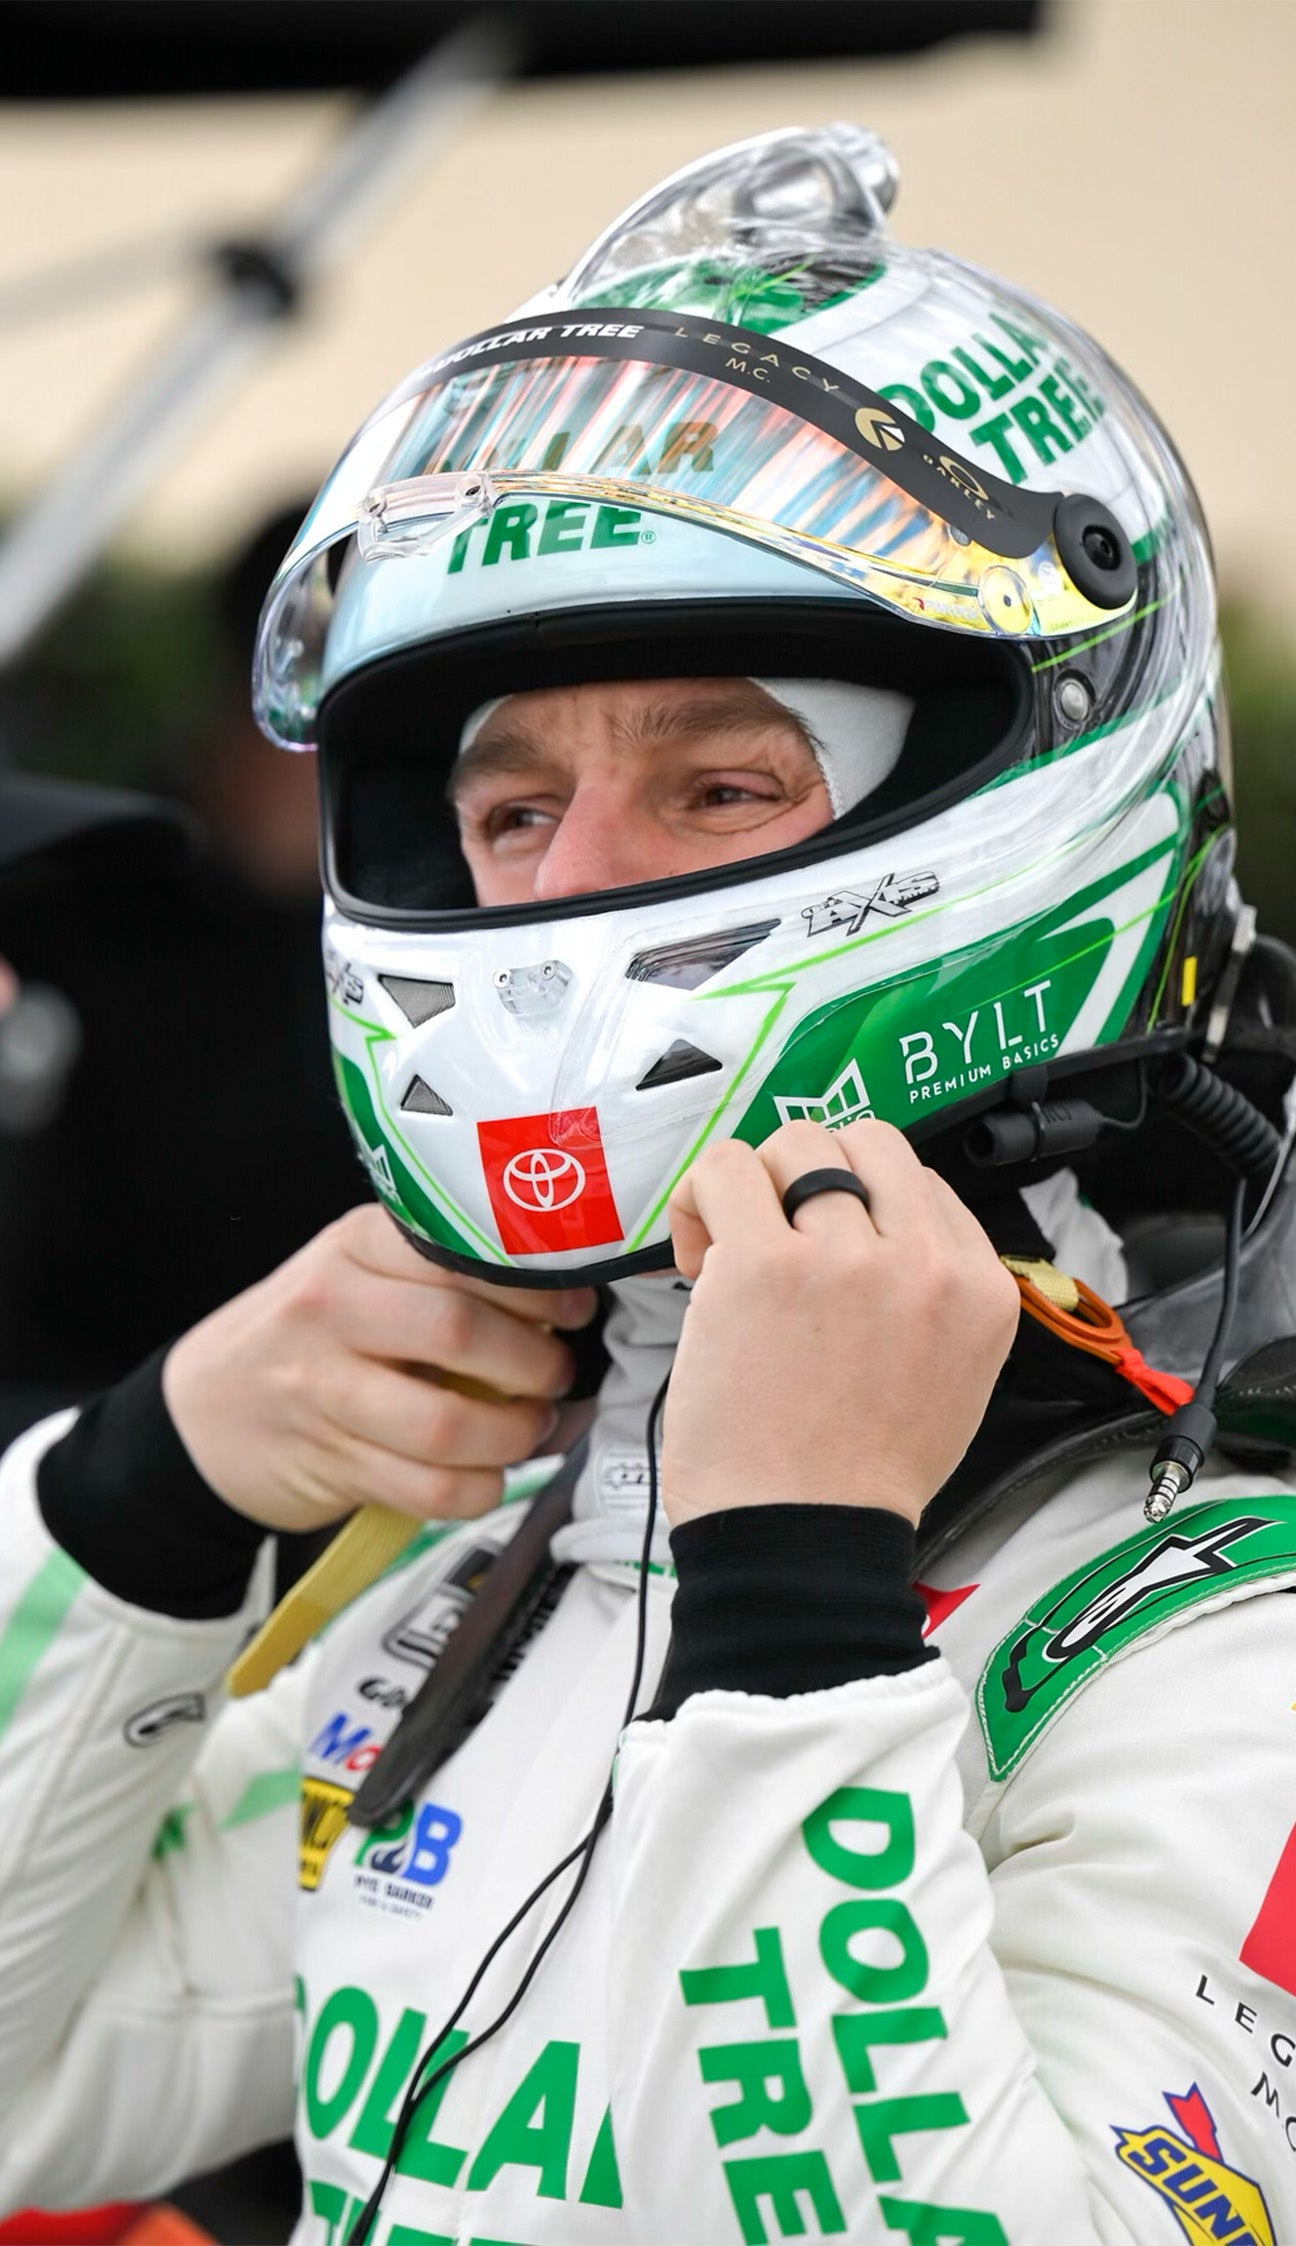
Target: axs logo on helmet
column 752, row 434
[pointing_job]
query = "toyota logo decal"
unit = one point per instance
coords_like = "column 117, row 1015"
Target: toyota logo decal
column 544, row 1178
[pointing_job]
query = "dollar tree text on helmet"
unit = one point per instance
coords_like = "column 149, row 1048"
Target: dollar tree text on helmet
column 566, row 526
column 991, row 370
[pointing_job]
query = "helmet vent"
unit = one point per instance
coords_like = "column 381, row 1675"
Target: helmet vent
column 683, row 966
column 678, row 1061
column 420, row 1099
column 419, row 1002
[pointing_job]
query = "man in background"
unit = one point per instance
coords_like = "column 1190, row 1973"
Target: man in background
column 165, row 1180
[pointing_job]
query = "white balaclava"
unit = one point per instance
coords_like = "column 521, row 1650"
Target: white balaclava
column 855, row 732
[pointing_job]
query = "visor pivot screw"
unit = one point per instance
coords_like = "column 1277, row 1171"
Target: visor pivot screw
column 530, row 991
column 1072, row 700
column 1094, row 551
column 1101, row 547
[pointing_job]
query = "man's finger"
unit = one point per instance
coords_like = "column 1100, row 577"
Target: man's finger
column 792, row 1153
column 418, row 1419
column 884, row 1161
column 456, row 1332
column 728, row 1191
column 376, row 1476
column 377, row 1244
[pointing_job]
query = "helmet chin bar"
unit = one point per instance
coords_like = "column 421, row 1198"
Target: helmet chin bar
column 1108, row 1091
column 1021, row 1131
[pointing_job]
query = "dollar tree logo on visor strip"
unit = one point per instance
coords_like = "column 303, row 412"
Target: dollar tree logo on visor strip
column 1006, row 520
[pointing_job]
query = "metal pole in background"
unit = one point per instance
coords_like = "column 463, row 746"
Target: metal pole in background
column 63, row 532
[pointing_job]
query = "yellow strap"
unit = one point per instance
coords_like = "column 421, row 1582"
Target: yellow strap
column 1053, row 1284
column 371, row 1540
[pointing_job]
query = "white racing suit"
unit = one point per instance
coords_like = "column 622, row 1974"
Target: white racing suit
column 998, row 1947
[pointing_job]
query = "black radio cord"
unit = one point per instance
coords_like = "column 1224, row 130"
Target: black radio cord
column 1189, row 1432
column 422, row 2084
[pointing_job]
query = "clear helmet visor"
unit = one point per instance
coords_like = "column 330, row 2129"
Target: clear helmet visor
column 708, row 424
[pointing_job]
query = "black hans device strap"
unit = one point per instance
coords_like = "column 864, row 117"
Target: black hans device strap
column 456, row 1694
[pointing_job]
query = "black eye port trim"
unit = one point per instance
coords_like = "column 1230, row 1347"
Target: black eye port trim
column 420, row 1099
column 418, row 999
column 679, row 1061
column 694, row 960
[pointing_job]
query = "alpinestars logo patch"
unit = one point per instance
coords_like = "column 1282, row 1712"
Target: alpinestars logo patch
column 1141, row 1586
column 1186, row 2167
column 1173, row 1561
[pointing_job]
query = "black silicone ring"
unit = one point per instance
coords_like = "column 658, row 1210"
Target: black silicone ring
column 822, row 1181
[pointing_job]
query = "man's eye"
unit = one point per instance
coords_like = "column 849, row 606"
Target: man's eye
column 719, row 793
column 512, row 818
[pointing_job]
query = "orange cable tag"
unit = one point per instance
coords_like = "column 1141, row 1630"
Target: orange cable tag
column 1166, row 1390
column 1097, row 1329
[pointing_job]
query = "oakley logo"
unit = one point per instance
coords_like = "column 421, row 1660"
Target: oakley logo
column 878, row 429
column 544, row 1178
column 962, row 478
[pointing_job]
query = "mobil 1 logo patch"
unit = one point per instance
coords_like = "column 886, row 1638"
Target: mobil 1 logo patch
column 422, row 1634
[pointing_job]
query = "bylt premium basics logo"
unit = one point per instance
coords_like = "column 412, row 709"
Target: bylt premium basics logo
column 1186, row 2166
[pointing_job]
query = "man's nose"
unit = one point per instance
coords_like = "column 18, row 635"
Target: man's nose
column 600, row 842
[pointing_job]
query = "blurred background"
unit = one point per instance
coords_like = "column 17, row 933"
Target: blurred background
column 212, row 270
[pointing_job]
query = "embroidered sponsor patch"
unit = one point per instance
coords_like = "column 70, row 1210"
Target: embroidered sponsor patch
column 1152, row 1579
column 1186, row 2167
column 148, row 1725
column 941, row 1604
column 423, row 1631
column 1270, row 1945
column 623, row 1479
column 397, row 1865
column 323, row 1822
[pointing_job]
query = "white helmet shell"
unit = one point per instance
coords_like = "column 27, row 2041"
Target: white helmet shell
column 752, row 435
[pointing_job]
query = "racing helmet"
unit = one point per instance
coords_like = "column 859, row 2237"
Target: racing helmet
column 751, row 434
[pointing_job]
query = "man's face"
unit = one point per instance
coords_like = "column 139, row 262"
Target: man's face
column 581, row 788
column 8, row 986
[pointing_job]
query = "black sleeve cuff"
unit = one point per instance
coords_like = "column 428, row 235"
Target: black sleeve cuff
column 779, row 1599
column 122, row 1496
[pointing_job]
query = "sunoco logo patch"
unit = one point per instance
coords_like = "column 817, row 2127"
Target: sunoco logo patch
column 1097, row 1612
column 1186, row 2167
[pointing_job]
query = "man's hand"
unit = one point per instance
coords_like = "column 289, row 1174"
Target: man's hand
column 846, row 1358
column 329, row 1385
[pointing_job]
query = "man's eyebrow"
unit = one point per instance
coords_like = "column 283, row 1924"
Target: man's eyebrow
column 681, row 721
column 501, row 753
column 513, row 750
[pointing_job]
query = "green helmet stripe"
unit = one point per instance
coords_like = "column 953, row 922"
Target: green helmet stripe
column 399, row 1178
